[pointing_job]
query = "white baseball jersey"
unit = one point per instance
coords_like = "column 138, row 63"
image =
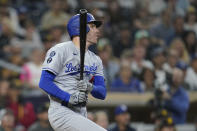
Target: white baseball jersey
column 64, row 61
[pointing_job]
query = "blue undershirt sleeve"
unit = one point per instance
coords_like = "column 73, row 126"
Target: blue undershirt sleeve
column 99, row 89
column 47, row 84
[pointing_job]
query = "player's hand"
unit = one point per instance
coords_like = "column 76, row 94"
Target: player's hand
column 84, row 86
column 78, row 98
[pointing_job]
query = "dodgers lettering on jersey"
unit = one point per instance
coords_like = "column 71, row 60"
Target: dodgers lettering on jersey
column 64, row 61
column 76, row 69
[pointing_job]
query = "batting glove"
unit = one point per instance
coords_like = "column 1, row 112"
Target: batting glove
column 84, row 86
column 78, row 98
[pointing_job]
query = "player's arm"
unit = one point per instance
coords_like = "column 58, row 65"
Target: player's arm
column 51, row 67
column 98, row 88
column 46, row 83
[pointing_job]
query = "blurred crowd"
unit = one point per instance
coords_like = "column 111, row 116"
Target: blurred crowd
column 145, row 46
column 122, row 120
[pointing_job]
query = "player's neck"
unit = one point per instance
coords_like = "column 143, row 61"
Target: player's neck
column 76, row 41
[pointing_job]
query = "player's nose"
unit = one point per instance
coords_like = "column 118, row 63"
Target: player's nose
column 97, row 31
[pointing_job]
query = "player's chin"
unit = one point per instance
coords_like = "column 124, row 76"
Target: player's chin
column 94, row 41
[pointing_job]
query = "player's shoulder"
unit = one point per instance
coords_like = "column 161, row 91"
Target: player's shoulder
column 92, row 54
column 61, row 46
column 95, row 56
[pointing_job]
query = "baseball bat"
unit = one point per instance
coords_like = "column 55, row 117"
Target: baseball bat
column 83, row 24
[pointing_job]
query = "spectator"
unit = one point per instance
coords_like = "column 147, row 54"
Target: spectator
column 193, row 2
column 178, row 44
column 125, row 82
column 23, row 111
column 164, row 29
column 30, row 41
column 177, row 8
column 191, row 42
column 101, row 119
column 32, row 70
column 143, row 20
column 191, row 74
column 55, row 16
column 183, row 5
column 58, row 35
column 142, row 38
column 166, row 124
column 6, row 74
column 4, row 88
column 182, row 66
column 42, row 124
column 48, row 42
column 127, row 3
column 113, row 9
column 8, row 122
column 122, row 118
column 12, row 71
column 23, row 15
column 6, row 10
column 172, row 61
column 110, row 64
column 94, row 4
column 148, row 78
column 138, row 60
column 124, row 42
column 176, row 98
column 91, row 116
column 69, row 6
column 158, row 116
column 178, row 25
column 158, row 59
column 190, row 24
column 127, row 55
column 6, row 35
column 155, row 7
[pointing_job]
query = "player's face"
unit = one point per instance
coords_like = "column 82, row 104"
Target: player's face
column 93, row 34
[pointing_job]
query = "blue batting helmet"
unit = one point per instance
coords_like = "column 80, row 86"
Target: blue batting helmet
column 74, row 24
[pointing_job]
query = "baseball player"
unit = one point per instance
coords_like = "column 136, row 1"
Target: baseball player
column 60, row 79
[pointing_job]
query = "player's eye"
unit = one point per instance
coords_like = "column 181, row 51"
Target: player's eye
column 92, row 25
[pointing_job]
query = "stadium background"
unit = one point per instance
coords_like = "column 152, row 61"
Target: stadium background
column 142, row 42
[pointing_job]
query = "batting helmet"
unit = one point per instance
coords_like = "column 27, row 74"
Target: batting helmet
column 74, row 24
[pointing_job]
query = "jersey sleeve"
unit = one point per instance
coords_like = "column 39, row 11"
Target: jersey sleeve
column 54, row 60
column 99, row 71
